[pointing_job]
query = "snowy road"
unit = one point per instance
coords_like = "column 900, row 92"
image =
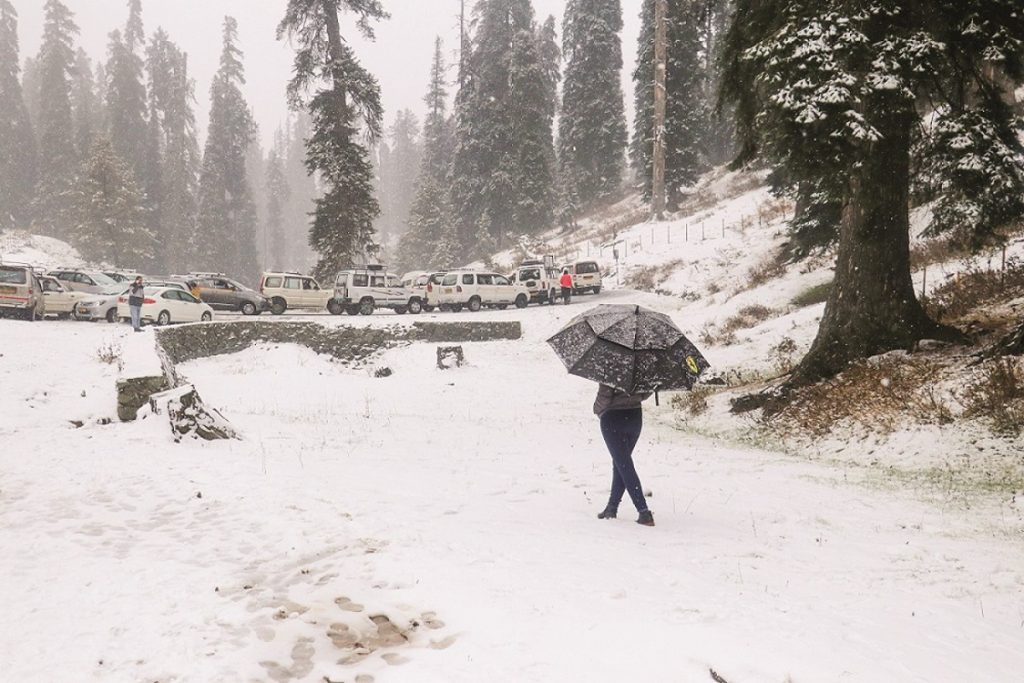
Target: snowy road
column 440, row 526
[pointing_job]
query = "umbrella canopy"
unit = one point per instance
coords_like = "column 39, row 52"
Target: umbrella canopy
column 631, row 348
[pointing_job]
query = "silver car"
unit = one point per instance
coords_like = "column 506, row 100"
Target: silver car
column 102, row 306
column 93, row 282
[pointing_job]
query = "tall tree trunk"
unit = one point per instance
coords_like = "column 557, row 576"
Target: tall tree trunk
column 872, row 307
column 334, row 50
column 660, row 60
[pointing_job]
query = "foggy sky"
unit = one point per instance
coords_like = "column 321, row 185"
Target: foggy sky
column 400, row 56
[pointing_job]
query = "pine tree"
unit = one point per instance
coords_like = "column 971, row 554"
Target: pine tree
column 277, row 192
column 688, row 109
column 110, row 226
column 172, row 94
column 430, row 240
column 227, row 214
column 823, row 103
column 502, row 180
column 84, row 105
column 30, row 90
column 58, row 161
column 345, row 94
column 17, row 141
column 302, row 198
column 592, row 130
column 398, row 175
column 127, row 107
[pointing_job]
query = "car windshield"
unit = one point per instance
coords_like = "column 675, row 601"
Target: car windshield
column 238, row 285
column 112, row 289
column 102, row 280
column 12, row 276
column 529, row 274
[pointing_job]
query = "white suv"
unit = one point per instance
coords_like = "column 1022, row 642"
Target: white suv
column 586, row 276
column 360, row 291
column 293, row 290
column 475, row 289
column 426, row 285
column 542, row 282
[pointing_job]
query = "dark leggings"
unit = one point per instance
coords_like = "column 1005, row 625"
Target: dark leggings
column 621, row 430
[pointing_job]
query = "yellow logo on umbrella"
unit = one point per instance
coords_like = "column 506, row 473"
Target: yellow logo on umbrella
column 691, row 363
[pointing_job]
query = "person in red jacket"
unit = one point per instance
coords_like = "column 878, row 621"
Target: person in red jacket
column 566, row 283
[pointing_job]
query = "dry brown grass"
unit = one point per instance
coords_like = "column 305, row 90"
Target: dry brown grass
column 878, row 394
column 937, row 250
column 963, row 295
column 649, row 278
column 769, row 268
column 693, row 402
column 998, row 395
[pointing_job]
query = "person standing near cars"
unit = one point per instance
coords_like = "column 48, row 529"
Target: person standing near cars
column 622, row 419
column 566, row 283
column 136, row 297
column 193, row 288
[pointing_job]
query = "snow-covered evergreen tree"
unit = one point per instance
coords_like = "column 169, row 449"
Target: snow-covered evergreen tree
column 687, row 111
column 227, row 214
column 172, row 96
column 17, row 140
column 592, row 129
column 277, row 193
column 834, row 91
column 30, row 90
column 127, row 106
column 110, row 226
column 85, row 107
column 344, row 95
column 58, row 161
column 399, row 163
column 302, row 198
column 502, row 180
column 429, row 240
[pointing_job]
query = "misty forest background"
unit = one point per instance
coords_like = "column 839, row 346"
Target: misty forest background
column 855, row 112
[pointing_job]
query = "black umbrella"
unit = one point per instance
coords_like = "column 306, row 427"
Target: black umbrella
column 631, row 348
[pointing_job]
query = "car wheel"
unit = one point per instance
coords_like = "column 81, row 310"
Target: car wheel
column 278, row 305
column 521, row 301
column 415, row 307
column 456, row 308
column 352, row 310
column 474, row 304
column 597, row 290
column 248, row 308
column 164, row 318
column 400, row 310
column 207, row 316
column 366, row 306
column 428, row 309
column 112, row 315
column 334, row 307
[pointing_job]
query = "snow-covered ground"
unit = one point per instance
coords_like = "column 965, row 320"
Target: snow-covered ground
column 440, row 526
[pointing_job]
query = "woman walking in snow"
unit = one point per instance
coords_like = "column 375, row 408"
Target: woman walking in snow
column 622, row 420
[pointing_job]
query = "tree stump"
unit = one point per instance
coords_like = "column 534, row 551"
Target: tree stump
column 450, row 357
column 190, row 417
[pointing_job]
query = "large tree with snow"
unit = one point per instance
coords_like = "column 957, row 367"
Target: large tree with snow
column 58, row 160
column 339, row 94
column 17, row 141
column 126, row 92
column 226, row 224
column 834, row 90
column 592, row 128
column 111, row 226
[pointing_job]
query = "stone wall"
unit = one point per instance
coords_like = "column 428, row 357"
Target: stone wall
column 346, row 343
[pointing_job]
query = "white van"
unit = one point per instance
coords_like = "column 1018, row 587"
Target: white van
column 586, row 276
column 475, row 289
column 360, row 291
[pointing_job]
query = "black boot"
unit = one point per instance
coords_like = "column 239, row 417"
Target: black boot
column 645, row 518
column 608, row 513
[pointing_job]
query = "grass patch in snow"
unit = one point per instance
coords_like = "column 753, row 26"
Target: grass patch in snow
column 961, row 296
column 818, row 294
column 997, row 395
column 649, row 278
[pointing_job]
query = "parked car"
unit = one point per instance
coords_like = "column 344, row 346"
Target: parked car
column 21, row 293
column 426, row 285
column 103, row 306
column 224, row 294
column 586, row 276
column 91, row 281
column 61, row 298
column 540, row 280
column 294, row 290
column 363, row 290
column 166, row 305
column 475, row 289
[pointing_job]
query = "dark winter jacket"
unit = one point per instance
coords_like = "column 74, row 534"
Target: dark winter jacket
column 136, row 295
column 609, row 398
